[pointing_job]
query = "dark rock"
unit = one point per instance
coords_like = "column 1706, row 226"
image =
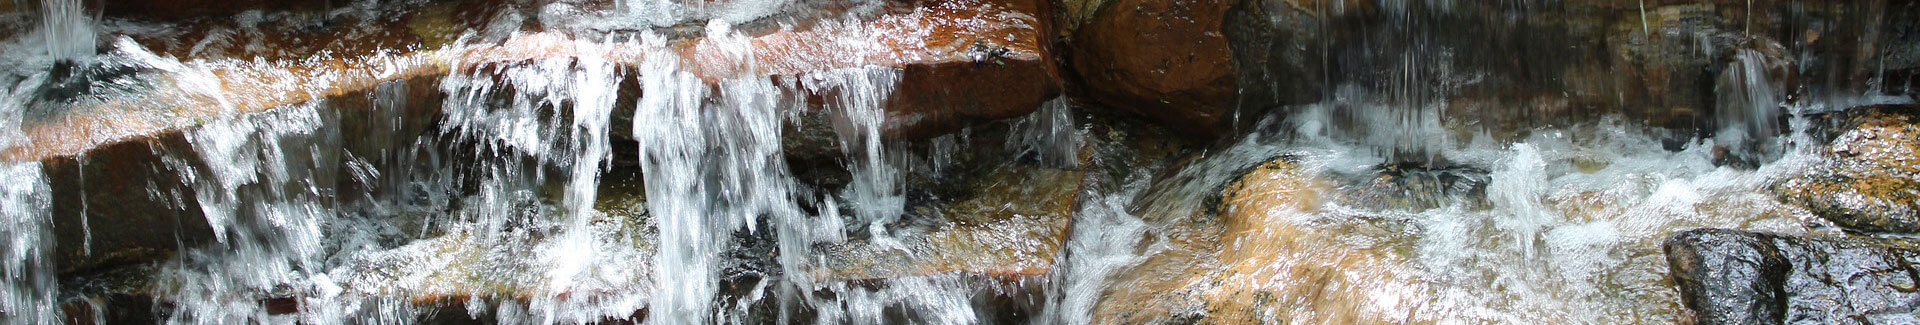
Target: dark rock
column 1738, row 277
column 122, row 204
column 1656, row 62
column 1729, row 277
column 935, row 99
column 1279, row 53
column 185, row 9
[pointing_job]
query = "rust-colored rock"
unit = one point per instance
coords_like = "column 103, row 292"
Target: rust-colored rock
column 1165, row 60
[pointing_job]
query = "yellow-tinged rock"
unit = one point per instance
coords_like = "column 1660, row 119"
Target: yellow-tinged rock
column 1268, row 260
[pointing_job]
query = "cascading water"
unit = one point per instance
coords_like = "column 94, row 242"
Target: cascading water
column 28, row 296
column 1749, row 103
column 487, row 175
column 858, row 113
column 68, row 30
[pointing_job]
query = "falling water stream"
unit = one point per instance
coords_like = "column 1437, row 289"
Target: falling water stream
column 521, row 196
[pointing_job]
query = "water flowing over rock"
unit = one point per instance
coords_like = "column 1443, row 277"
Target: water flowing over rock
column 956, row 161
column 1866, row 185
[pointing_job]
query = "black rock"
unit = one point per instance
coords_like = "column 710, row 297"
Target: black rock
column 1738, row 277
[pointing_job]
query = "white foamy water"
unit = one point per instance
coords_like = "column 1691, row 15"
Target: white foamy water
column 1569, row 229
column 68, row 29
column 28, row 296
column 1102, row 242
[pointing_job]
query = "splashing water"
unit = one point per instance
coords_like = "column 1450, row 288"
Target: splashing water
column 1568, row 227
column 28, row 295
column 1749, row 104
column 69, row 32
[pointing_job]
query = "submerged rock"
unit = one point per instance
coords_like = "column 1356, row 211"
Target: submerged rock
column 1738, row 277
column 1869, row 178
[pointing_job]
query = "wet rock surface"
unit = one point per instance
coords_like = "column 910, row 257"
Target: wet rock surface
column 1868, row 178
column 941, row 88
column 1261, row 247
column 1197, row 64
column 1265, row 258
column 1166, row 60
column 1738, row 277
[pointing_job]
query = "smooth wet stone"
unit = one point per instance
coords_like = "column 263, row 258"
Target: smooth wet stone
column 1267, row 260
column 1738, row 277
column 1870, row 173
column 1166, row 60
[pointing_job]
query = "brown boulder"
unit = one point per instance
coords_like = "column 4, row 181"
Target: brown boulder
column 1165, row 60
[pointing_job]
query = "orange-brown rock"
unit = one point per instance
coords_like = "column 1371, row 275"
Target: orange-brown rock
column 978, row 60
column 1165, row 60
column 1263, row 262
column 1866, row 179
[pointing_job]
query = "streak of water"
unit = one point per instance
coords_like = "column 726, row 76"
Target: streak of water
column 69, row 32
column 1103, row 242
column 27, row 296
column 1049, row 134
column 858, row 108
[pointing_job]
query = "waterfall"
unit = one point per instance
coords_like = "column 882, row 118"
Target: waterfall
column 1049, row 134
column 1102, row 244
column 1748, row 104
column 259, row 181
column 69, row 32
column 28, row 295
column 1438, row 173
column 858, row 110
